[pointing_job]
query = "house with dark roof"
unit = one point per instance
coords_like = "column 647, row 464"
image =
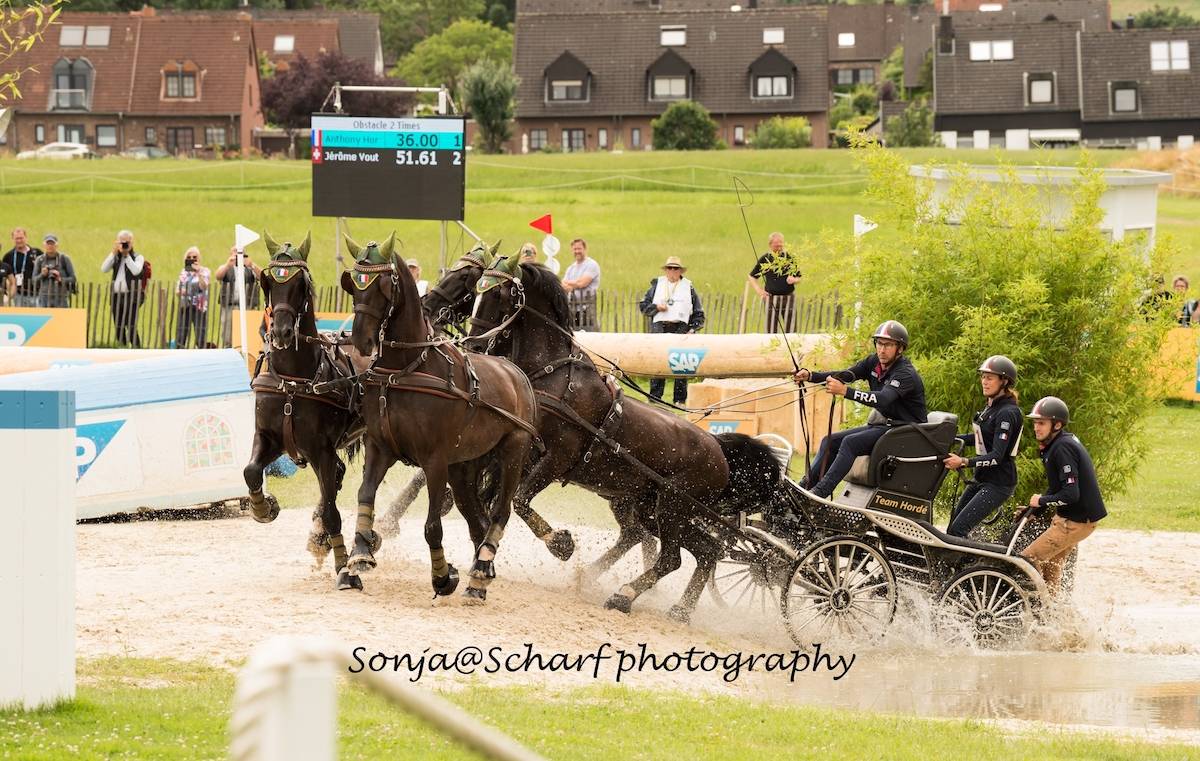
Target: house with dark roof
column 116, row 81
column 860, row 38
column 594, row 75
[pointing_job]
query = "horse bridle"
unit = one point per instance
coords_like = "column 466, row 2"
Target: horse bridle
column 286, row 307
column 447, row 313
column 493, row 330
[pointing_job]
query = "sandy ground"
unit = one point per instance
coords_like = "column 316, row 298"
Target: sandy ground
column 211, row 590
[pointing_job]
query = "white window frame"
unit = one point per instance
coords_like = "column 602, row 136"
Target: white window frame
column 991, row 50
column 739, row 135
column 1180, row 55
column 564, row 84
column 1002, row 50
column 1034, row 85
column 676, row 87
column 285, row 43
column 39, row 134
column 105, row 142
column 602, row 138
column 96, row 37
column 773, row 36
column 839, row 75
column 774, row 83
column 71, row 37
column 991, row 8
column 672, row 36
column 543, row 134
column 845, row 39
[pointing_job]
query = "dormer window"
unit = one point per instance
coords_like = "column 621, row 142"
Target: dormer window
column 772, row 75
column 72, row 85
column 670, row 77
column 669, row 88
column 1124, row 98
column 566, row 89
column 774, row 86
column 1169, row 56
column 567, row 80
column 670, row 36
column 991, row 50
column 285, row 43
column 181, row 80
column 1041, row 89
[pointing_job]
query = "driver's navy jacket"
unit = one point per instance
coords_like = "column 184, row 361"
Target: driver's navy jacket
column 1073, row 490
column 997, row 434
column 898, row 394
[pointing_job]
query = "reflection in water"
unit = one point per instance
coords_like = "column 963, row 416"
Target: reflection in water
column 1100, row 689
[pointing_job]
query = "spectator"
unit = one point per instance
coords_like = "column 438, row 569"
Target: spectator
column 227, row 274
column 780, row 286
column 673, row 306
column 20, row 267
column 528, row 254
column 55, row 275
column 192, row 291
column 1188, row 307
column 414, row 269
column 581, row 283
column 126, row 265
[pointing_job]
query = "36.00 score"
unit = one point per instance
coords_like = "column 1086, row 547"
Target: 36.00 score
column 425, row 158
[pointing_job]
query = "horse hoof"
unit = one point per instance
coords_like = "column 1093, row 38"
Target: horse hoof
column 264, row 509
column 561, row 544
column 619, row 602
column 347, row 580
column 362, row 560
column 445, row 585
column 679, row 614
column 483, row 569
column 472, row 596
column 376, row 541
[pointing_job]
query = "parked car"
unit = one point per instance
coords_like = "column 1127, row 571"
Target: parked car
column 59, row 151
column 146, row 152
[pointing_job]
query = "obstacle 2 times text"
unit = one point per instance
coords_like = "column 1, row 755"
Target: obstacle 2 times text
column 606, row 662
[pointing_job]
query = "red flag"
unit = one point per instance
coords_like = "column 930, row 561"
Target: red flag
column 542, row 223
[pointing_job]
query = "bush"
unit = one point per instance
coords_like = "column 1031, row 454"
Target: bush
column 488, row 91
column 685, row 126
column 1063, row 301
column 912, row 128
column 782, row 132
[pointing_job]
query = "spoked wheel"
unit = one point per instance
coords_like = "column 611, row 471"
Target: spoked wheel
column 841, row 586
column 986, row 606
column 749, row 575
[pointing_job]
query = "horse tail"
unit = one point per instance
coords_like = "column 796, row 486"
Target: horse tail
column 754, row 472
column 354, row 448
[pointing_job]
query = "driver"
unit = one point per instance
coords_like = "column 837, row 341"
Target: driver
column 896, row 390
column 1073, row 491
column 996, row 436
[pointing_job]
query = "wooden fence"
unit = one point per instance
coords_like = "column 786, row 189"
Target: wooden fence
column 158, row 314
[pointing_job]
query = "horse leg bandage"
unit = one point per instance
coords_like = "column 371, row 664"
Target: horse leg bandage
column 437, row 562
column 366, row 519
column 339, row 551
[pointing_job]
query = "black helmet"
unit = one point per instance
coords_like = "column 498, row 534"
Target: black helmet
column 1050, row 408
column 892, row 331
column 998, row 364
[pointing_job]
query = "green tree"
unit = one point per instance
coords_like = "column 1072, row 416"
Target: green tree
column 685, row 126
column 20, row 29
column 442, row 58
column 893, row 69
column 489, row 89
column 848, row 108
column 404, row 23
column 981, row 272
column 782, row 132
column 913, row 128
column 1160, row 17
column 500, row 13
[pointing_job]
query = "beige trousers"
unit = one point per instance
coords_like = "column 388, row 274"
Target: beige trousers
column 1049, row 552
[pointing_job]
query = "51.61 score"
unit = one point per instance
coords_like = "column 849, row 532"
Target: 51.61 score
column 426, row 158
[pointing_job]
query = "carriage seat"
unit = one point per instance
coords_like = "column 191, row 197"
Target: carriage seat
column 919, row 479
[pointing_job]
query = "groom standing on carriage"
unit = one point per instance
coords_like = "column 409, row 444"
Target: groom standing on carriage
column 896, row 391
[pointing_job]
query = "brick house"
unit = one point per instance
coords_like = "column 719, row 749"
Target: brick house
column 860, row 38
column 116, row 81
column 594, row 76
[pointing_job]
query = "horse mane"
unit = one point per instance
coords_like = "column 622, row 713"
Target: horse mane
column 539, row 280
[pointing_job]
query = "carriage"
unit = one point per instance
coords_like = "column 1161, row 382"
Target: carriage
column 838, row 566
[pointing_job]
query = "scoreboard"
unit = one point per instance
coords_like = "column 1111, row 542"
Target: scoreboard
column 389, row 167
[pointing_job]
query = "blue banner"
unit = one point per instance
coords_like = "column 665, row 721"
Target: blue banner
column 337, row 138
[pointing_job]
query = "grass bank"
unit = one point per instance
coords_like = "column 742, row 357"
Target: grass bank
column 153, row 709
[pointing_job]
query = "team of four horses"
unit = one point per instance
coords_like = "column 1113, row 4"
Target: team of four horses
column 498, row 425
column 501, row 407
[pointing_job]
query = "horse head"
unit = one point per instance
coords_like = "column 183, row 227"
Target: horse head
column 287, row 288
column 449, row 301
column 377, row 285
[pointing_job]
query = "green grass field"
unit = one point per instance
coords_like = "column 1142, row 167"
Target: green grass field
column 170, row 710
column 635, row 208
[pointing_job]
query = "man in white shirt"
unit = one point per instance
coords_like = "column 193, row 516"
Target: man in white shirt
column 414, row 268
column 673, row 306
column 126, row 266
column 581, row 282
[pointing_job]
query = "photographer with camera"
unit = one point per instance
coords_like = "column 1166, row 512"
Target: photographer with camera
column 18, row 271
column 126, row 266
column 55, row 275
column 192, row 291
column 227, row 275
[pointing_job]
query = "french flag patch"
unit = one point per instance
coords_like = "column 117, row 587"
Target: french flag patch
column 363, row 278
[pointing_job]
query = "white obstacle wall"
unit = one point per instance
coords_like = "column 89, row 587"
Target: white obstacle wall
column 37, row 564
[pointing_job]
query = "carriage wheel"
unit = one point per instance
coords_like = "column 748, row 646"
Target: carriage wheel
column 744, row 577
column 841, row 586
column 985, row 606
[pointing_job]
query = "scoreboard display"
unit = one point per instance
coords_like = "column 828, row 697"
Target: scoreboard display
column 389, row 167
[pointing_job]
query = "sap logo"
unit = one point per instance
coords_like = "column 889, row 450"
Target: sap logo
column 17, row 329
column 90, row 442
column 685, row 361
column 717, row 427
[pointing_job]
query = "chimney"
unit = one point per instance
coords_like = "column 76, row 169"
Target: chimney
column 1129, row 21
column 945, row 34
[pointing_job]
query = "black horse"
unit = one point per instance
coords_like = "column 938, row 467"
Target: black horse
column 660, row 473
column 304, row 402
column 429, row 404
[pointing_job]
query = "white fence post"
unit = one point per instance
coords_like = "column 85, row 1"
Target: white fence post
column 37, row 568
